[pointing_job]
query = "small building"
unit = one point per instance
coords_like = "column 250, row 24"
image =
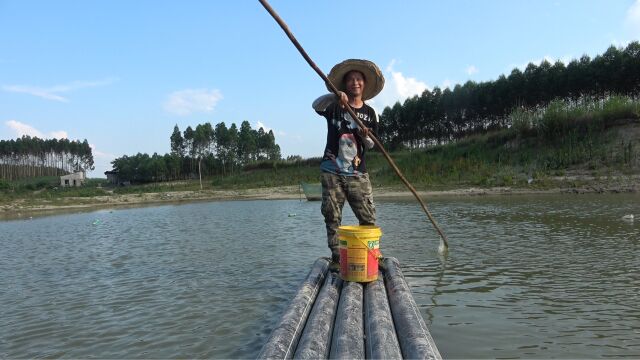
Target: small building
column 112, row 177
column 75, row 179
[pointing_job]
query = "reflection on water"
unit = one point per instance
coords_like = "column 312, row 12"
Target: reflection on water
column 526, row 277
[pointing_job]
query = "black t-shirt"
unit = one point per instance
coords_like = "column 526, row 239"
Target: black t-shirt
column 345, row 151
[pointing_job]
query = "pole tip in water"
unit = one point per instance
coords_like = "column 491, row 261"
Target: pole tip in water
column 442, row 248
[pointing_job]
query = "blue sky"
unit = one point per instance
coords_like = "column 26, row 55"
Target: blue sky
column 121, row 74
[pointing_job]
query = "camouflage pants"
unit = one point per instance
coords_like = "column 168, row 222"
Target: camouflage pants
column 335, row 190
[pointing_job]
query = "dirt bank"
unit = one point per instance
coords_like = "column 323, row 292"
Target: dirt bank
column 33, row 207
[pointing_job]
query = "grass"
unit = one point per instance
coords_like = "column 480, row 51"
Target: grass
column 48, row 188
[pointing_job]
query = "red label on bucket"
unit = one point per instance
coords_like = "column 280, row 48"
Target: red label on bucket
column 372, row 263
column 343, row 261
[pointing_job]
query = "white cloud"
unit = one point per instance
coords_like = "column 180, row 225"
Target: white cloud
column 446, row 83
column 407, row 86
column 99, row 154
column 259, row 125
column 398, row 87
column 60, row 134
column 25, row 129
column 54, row 92
column 35, row 91
column 471, row 69
column 633, row 18
column 102, row 162
column 188, row 101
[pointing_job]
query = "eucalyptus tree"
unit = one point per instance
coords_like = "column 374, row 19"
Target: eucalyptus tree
column 177, row 142
column 158, row 167
column 202, row 139
column 273, row 149
column 395, row 124
column 631, row 61
column 233, row 145
column 189, row 148
column 222, row 143
column 262, row 144
column 247, row 143
column 173, row 164
column 31, row 156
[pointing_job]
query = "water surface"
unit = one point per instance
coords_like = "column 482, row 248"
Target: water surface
column 526, row 277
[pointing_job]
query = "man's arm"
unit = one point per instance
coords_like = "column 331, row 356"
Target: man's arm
column 373, row 130
column 323, row 102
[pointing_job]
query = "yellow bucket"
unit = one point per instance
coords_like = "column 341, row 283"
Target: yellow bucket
column 359, row 252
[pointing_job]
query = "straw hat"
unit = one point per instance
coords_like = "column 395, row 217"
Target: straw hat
column 374, row 81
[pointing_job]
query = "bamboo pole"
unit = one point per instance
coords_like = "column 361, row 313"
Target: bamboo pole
column 444, row 244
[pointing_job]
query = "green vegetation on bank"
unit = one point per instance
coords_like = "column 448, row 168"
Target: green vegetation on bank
column 592, row 137
column 47, row 188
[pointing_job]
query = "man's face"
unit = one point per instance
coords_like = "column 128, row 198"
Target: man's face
column 354, row 83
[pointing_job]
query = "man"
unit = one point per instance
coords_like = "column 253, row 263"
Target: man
column 344, row 173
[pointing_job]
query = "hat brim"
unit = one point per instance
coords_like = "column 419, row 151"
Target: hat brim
column 374, row 81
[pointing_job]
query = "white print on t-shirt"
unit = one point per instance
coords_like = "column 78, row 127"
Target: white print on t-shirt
column 352, row 124
column 347, row 153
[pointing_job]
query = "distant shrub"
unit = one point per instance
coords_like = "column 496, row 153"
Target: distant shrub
column 521, row 121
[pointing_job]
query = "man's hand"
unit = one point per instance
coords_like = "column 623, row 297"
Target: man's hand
column 368, row 142
column 364, row 132
column 342, row 99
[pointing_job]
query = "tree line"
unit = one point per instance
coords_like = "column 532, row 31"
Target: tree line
column 203, row 151
column 31, row 156
column 440, row 116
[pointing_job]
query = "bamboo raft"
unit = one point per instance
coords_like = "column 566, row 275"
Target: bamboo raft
column 336, row 319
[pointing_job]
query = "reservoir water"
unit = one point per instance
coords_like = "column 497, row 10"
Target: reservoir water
column 526, row 277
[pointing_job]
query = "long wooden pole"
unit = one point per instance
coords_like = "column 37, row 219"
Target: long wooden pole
column 444, row 244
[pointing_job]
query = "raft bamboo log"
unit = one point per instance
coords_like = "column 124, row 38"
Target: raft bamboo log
column 348, row 331
column 444, row 243
column 379, row 335
column 415, row 340
column 284, row 339
column 382, row 342
column 316, row 337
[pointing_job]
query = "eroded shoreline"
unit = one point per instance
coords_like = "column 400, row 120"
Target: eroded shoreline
column 22, row 208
